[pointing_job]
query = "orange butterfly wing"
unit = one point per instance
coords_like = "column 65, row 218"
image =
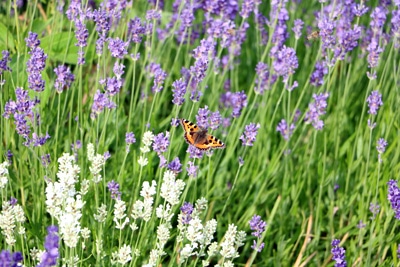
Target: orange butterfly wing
column 198, row 137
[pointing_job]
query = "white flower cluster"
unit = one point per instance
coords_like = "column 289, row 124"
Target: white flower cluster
column 199, row 236
column 63, row 202
column 143, row 209
column 148, row 138
column 97, row 161
column 3, row 174
column 122, row 256
column 232, row 241
column 119, row 214
column 171, row 189
column 9, row 217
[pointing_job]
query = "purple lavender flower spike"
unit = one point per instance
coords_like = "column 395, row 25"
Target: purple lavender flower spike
column 186, row 212
column 175, row 165
column 4, row 62
column 258, row 227
column 64, row 78
column 117, row 47
column 394, row 197
column 136, row 30
column 284, row 129
column 192, row 169
column 50, row 256
column 114, row 189
column 338, row 254
column 316, row 109
column 264, row 79
column 161, row 142
column 317, row 77
column 100, row 102
column 249, row 135
column 298, row 25
column 202, row 117
column 374, row 101
column 178, row 92
column 194, row 152
column 286, row 62
column 130, row 138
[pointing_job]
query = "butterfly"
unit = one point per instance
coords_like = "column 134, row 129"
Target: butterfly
column 198, row 137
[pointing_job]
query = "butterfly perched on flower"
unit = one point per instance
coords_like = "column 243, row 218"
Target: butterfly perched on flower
column 199, row 137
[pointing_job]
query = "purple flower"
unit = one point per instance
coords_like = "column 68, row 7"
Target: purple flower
column 192, row 169
column 103, row 22
column 316, row 109
column 13, row 201
column 107, row 155
column 378, row 17
column 175, row 165
column 194, row 152
column 258, row 227
column 32, row 40
column 161, row 142
column 286, row 62
column 135, row 30
column 247, row 8
column 130, row 138
column 163, row 161
column 64, row 78
column 374, row 50
column 202, row 117
column 394, row 197
column 34, row 66
column 117, row 47
column 374, row 101
column 317, row 77
column 215, row 120
column 50, row 256
column 159, row 75
column 114, row 189
column 395, row 27
column 361, row 224
column 381, row 147
column 241, row 161
column 45, row 159
column 9, row 156
column 264, row 79
column 10, row 260
column 153, row 14
column 186, row 212
column 284, row 129
column 175, row 122
column 178, row 92
column 4, row 62
column 374, row 208
column 118, row 70
column 298, row 25
column 112, row 85
column 326, row 32
column 338, row 254
column 100, row 102
column 237, row 101
column 359, row 9
column 249, row 135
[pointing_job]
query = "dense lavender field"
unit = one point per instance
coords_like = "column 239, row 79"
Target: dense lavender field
column 199, row 133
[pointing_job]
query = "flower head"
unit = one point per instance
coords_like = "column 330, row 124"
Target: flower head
column 175, row 165
column 316, row 109
column 64, row 78
column 257, row 225
column 178, row 92
column 114, row 189
column 117, row 47
column 186, row 211
column 286, row 62
column 394, row 197
column 249, row 135
column 50, row 256
column 338, row 254
column 284, row 129
column 374, row 101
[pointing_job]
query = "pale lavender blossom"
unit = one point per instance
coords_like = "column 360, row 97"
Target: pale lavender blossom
column 50, row 256
column 316, row 110
column 284, row 129
column 338, row 254
column 374, row 101
column 64, row 78
column 249, row 135
column 394, row 197
column 175, row 165
column 114, row 189
column 192, row 169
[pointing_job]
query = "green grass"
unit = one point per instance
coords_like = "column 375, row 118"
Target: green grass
column 289, row 183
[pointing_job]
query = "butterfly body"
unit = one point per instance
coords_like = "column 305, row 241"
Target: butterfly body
column 199, row 137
